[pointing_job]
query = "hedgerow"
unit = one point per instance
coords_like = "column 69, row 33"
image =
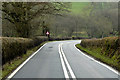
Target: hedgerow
column 14, row 47
column 110, row 46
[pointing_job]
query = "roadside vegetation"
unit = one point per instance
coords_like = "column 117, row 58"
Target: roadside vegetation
column 90, row 20
column 13, row 47
column 24, row 26
column 15, row 50
column 75, row 19
column 8, row 67
column 106, row 50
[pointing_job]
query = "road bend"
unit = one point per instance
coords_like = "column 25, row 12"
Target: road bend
column 62, row 60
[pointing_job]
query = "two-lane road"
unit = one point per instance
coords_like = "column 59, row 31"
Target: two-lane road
column 60, row 59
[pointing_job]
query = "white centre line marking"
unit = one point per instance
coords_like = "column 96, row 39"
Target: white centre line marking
column 63, row 64
column 67, row 64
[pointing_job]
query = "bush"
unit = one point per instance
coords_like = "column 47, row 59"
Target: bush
column 15, row 47
column 110, row 46
column 58, row 39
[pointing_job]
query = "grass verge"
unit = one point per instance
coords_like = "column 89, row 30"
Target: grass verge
column 9, row 67
column 96, row 53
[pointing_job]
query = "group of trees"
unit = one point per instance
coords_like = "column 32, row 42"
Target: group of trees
column 21, row 19
column 102, row 19
column 67, row 25
column 99, row 20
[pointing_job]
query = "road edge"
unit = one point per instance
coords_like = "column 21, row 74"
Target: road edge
column 99, row 62
column 23, row 63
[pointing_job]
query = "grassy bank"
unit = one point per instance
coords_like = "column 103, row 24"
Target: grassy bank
column 9, row 67
column 105, row 50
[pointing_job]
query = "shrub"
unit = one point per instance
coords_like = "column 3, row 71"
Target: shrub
column 14, row 47
column 110, row 46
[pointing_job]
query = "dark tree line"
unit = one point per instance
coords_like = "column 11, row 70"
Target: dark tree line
column 26, row 19
column 99, row 20
column 21, row 15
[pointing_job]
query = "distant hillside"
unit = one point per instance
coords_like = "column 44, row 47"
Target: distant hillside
column 77, row 7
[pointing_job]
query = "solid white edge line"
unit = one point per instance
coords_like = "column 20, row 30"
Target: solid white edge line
column 108, row 67
column 63, row 64
column 68, row 65
column 16, row 70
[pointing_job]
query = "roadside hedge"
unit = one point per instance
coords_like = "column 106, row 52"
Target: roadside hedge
column 110, row 46
column 14, row 47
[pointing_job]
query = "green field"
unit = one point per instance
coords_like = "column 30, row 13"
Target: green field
column 78, row 7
